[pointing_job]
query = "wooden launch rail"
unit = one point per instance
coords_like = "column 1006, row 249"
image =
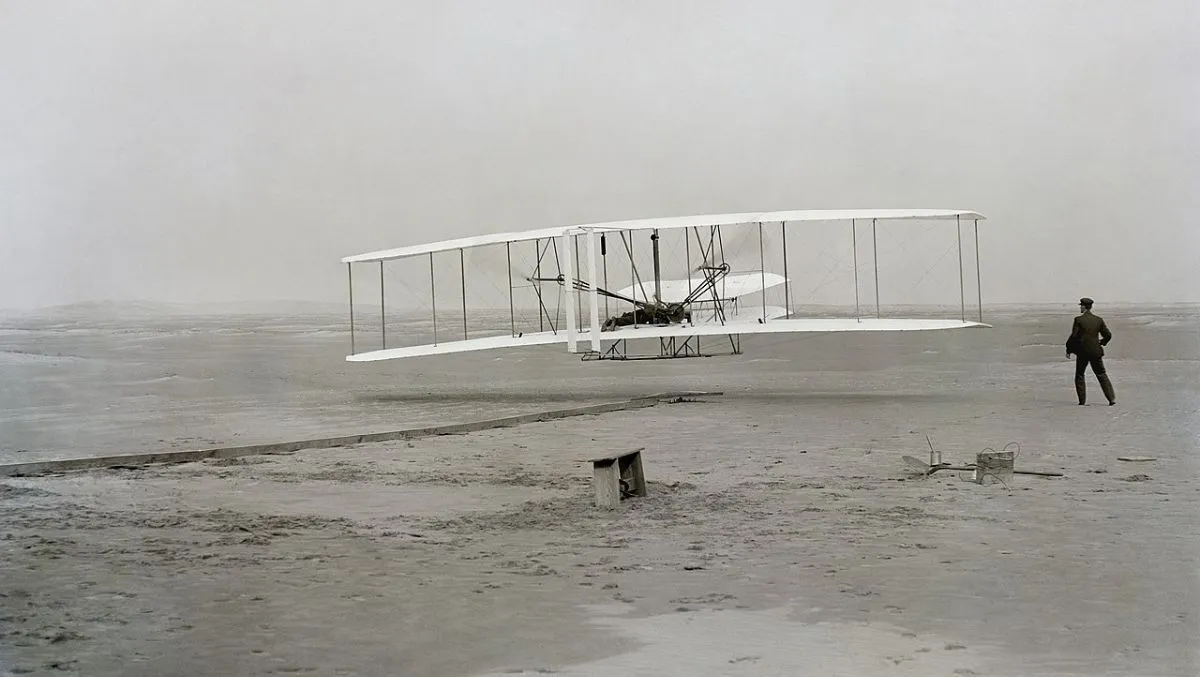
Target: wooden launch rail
column 123, row 460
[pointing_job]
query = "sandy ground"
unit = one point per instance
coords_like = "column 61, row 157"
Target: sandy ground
column 76, row 386
column 782, row 536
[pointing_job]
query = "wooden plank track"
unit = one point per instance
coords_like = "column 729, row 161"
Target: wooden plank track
column 188, row 456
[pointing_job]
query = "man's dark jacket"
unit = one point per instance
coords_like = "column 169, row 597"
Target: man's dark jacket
column 1089, row 335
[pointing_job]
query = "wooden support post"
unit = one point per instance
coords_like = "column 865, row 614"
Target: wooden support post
column 617, row 476
column 606, row 482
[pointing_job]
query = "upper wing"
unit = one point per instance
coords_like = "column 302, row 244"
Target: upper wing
column 666, row 224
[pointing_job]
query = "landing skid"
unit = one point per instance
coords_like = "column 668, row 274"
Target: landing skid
column 671, row 348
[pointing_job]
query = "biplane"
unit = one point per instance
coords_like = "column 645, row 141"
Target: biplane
column 598, row 288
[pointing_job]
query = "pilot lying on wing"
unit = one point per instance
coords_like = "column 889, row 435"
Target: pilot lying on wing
column 659, row 315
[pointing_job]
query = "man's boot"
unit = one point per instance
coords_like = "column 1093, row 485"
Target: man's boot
column 1081, row 391
column 1107, row 387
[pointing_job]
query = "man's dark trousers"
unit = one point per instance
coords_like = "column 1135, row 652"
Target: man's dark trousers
column 1097, row 362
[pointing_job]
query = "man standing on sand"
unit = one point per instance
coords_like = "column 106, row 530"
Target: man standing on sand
column 1088, row 337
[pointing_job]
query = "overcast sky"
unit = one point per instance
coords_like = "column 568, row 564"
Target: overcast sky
column 217, row 151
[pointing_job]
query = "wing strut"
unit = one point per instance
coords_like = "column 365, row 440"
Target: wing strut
column 787, row 287
column 762, row 270
column 433, row 298
column 512, row 313
column 462, row 270
column 978, row 278
column 604, row 262
column 657, row 272
column 875, row 255
column 962, row 294
column 854, row 241
column 382, row 308
column 350, row 276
